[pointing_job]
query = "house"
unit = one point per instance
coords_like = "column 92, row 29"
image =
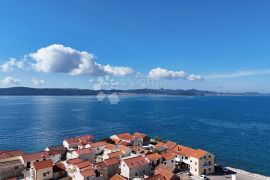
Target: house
column 11, row 164
column 42, row 170
column 155, row 159
column 111, row 150
column 161, row 147
column 28, row 159
column 109, row 167
column 88, row 175
column 139, row 150
column 128, row 138
column 59, row 171
column 60, row 149
column 117, row 177
column 167, row 172
column 98, row 146
column 168, row 159
column 69, row 164
column 196, row 160
column 137, row 166
column 84, row 154
column 73, row 143
column 145, row 138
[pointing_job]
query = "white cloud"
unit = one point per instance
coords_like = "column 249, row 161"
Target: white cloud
column 13, row 64
column 38, row 82
column 58, row 58
column 193, row 77
column 160, row 73
column 10, row 81
column 240, row 73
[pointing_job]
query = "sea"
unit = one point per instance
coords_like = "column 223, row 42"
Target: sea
column 236, row 129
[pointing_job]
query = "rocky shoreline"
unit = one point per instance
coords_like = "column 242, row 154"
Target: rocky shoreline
column 240, row 171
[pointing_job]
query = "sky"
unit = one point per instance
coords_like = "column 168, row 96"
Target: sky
column 209, row 45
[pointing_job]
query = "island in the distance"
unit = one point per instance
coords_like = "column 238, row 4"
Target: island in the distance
column 26, row 91
column 118, row 157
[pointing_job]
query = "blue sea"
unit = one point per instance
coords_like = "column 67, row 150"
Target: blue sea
column 234, row 128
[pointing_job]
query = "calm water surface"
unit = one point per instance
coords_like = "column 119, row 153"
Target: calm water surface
column 235, row 129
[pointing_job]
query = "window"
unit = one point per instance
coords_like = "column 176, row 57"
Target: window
column 136, row 174
column 209, row 162
column 195, row 169
column 191, row 161
column 204, row 157
column 164, row 162
column 209, row 156
column 44, row 174
column 209, row 169
column 195, row 163
column 172, row 161
column 16, row 167
column 143, row 171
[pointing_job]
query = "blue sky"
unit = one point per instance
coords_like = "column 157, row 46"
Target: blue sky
column 223, row 45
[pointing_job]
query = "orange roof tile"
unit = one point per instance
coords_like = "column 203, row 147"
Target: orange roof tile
column 43, row 164
column 168, row 156
column 126, row 136
column 135, row 161
column 83, row 164
column 74, row 161
column 109, row 162
column 85, row 151
column 88, row 138
column 139, row 135
column 98, row 144
column 189, row 152
column 153, row 157
column 88, row 173
column 115, row 154
column 35, row 156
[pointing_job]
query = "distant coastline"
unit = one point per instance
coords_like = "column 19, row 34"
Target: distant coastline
column 27, row 91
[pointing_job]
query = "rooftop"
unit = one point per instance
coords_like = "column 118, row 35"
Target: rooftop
column 135, row 161
column 35, row 156
column 117, row 177
column 88, row 173
column 43, row 164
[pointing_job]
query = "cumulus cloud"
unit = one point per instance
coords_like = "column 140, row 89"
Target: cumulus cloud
column 13, row 64
column 10, row 81
column 160, row 73
column 61, row 59
column 38, row 82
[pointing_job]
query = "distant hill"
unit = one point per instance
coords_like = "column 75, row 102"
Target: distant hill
column 26, row 91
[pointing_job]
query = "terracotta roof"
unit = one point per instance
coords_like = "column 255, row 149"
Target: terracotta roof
column 72, row 141
column 115, row 154
column 117, row 177
column 59, row 166
column 110, row 146
column 83, row 164
column 161, row 144
column 153, row 157
column 85, row 151
column 57, row 148
column 88, row 138
column 98, row 144
column 109, row 162
column 126, row 137
column 43, row 164
column 35, row 156
column 123, row 148
column 168, row 156
column 139, row 150
column 125, row 143
column 88, row 173
column 135, row 161
column 9, row 154
column 165, row 168
column 170, row 144
column 189, row 152
column 139, row 135
column 74, row 161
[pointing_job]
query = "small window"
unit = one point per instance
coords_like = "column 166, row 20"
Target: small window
column 196, row 170
column 195, row 163
column 44, row 174
column 209, row 169
column 164, row 162
column 209, row 162
column 204, row 157
column 136, row 174
column 209, row 156
column 143, row 171
column 172, row 161
column 16, row 167
column 191, row 161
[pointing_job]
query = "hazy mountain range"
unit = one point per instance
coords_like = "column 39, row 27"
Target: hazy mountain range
column 26, row 91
